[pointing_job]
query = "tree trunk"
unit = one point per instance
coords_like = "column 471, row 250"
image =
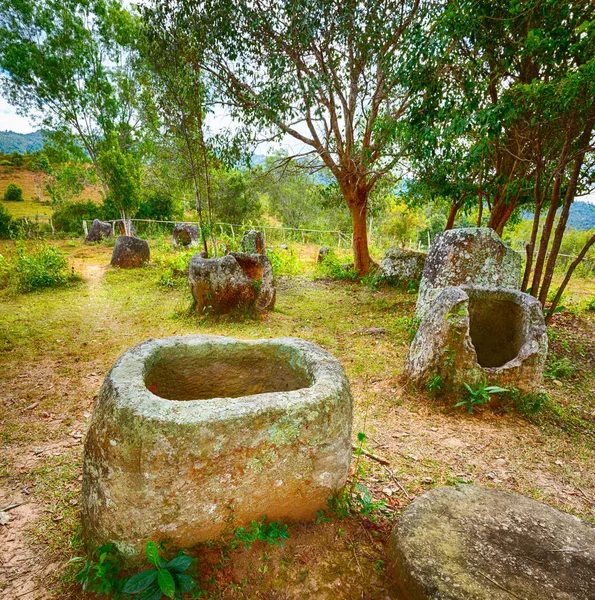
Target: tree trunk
column 568, row 200
column 575, row 263
column 357, row 201
column 452, row 215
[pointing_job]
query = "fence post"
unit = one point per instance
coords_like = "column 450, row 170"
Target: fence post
column 85, row 229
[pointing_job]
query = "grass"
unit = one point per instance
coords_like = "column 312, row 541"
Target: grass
column 32, row 183
column 57, row 345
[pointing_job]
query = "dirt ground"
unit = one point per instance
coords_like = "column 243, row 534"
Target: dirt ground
column 57, row 345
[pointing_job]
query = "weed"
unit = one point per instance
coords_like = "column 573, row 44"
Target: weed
column 558, row 368
column 528, row 404
column 99, row 574
column 332, row 267
column 367, row 505
column 285, row 262
column 481, row 395
column 272, row 533
column 167, row 579
column 591, row 304
column 435, row 384
column 321, row 517
column 45, row 266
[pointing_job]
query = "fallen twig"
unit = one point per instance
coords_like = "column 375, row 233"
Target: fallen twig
column 11, row 506
column 392, row 476
column 500, row 586
column 375, row 457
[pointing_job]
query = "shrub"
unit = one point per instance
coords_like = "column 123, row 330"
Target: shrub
column 69, row 217
column 332, row 267
column 5, row 223
column 157, row 206
column 45, row 266
column 5, row 272
column 13, row 193
column 285, row 262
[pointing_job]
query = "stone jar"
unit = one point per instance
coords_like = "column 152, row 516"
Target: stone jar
column 194, row 436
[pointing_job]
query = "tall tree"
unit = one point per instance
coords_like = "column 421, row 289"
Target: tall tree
column 65, row 63
column 331, row 74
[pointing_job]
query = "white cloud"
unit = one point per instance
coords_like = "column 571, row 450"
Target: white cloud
column 11, row 121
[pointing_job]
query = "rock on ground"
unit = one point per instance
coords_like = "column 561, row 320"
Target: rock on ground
column 185, row 235
column 130, row 252
column 193, row 436
column 469, row 256
column 473, row 543
column 235, row 282
column 322, row 254
column 474, row 334
column 402, row 265
column 252, row 242
column 99, row 230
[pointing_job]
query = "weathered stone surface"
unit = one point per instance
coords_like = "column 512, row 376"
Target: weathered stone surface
column 252, row 242
column 185, row 235
column 469, row 256
column 193, row 436
column 130, row 252
column 474, row 333
column 473, row 543
column 98, row 231
column 322, row 254
column 402, row 265
column 121, row 227
column 233, row 282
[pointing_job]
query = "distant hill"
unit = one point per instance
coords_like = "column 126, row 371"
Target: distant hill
column 20, row 142
column 582, row 215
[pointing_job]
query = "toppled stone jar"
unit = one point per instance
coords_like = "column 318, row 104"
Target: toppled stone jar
column 193, row 436
column 231, row 283
column 475, row 334
column 467, row 256
column 185, row 235
column 99, row 230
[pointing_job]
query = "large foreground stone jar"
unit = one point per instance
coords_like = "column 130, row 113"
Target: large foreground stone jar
column 474, row 334
column 235, row 282
column 193, row 436
column 468, row 256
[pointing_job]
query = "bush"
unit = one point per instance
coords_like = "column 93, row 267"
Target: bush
column 157, row 206
column 69, row 217
column 13, row 193
column 5, row 272
column 5, row 223
column 45, row 266
column 285, row 262
column 332, row 266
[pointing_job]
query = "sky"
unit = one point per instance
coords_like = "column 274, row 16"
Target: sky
column 9, row 120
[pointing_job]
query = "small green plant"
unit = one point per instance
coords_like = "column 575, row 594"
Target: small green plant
column 272, row 533
column 13, row 193
column 285, row 262
column 367, row 505
column 478, row 396
column 591, row 304
column 332, row 267
column 167, row 579
column 528, row 404
column 99, row 574
column 321, row 517
column 558, row 368
column 435, row 384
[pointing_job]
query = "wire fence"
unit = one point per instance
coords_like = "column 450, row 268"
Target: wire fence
column 273, row 234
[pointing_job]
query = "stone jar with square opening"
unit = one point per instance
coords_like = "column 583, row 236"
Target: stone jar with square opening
column 194, row 436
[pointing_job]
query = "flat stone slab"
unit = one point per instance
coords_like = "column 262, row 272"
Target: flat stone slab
column 192, row 436
column 473, row 543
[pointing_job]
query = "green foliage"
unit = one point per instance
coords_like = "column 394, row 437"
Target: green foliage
column 436, row 384
column 321, row 517
column 157, row 206
column 100, row 573
column 5, row 272
column 403, row 223
column 285, row 262
column 13, row 193
column 69, row 217
column 478, row 396
column 591, row 304
column 6, row 229
column 168, row 579
column 558, row 368
column 332, row 266
column 366, row 504
column 234, row 201
column 44, row 266
column 528, row 404
column 410, row 325
column 273, row 533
